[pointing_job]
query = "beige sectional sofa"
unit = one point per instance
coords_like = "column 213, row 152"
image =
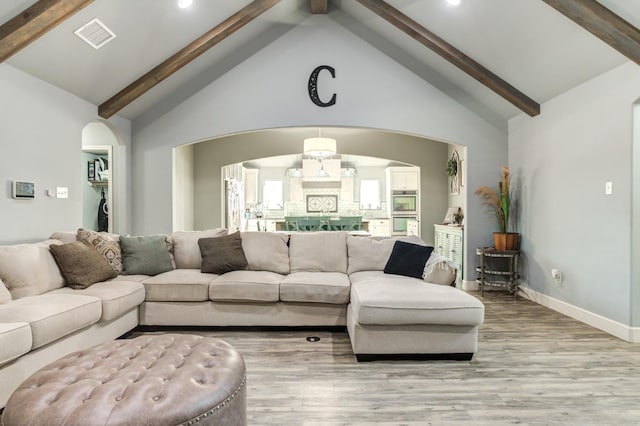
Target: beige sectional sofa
column 302, row 279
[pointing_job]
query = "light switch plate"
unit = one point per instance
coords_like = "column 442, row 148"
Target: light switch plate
column 62, row 192
column 608, row 188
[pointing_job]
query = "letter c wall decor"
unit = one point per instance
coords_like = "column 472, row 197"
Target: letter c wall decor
column 313, row 86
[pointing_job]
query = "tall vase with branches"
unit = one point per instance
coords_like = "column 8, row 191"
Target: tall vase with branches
column 499, row 203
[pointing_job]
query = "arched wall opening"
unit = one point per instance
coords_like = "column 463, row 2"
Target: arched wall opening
column 101, row 139
column 198, row 186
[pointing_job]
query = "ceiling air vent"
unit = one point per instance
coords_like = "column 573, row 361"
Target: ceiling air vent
column 95, row 33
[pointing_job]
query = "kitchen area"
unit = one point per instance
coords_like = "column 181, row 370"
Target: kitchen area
column 293, row 193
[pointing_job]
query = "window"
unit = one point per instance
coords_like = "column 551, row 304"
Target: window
column 272, row 195
column 369, row 194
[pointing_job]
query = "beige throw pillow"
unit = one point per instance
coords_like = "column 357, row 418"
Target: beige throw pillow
column 81, row 265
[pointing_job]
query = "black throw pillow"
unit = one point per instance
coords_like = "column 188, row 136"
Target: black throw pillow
column 408, row 259
column 222, row 254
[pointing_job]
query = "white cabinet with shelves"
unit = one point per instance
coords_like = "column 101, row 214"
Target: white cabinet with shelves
column 449, row 242
column 379, row 227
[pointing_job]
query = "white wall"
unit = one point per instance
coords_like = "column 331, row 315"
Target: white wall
column 560, row 161
column 269, row 90
column 41, row 141
column 183, row 187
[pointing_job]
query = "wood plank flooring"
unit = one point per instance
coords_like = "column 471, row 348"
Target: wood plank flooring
column 534, row 366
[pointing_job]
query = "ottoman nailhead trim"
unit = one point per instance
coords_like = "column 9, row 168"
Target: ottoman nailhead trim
column 219, row 406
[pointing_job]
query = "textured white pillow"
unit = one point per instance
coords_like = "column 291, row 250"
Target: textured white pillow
column 5, row 296
column 186, row 249
column 318, row 252
column 266, row 251
column 29, row 269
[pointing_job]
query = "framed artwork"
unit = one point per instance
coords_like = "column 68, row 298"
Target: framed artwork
column 449, row 216
column 322, row 203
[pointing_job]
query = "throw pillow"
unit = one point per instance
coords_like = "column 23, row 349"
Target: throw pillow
column 106, row 244
column 145, row 255
column 81, row 265
column 408, row 259
column 222, row 254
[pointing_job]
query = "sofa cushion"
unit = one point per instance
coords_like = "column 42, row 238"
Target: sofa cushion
column 368, row 254
column 408, row 259
column 179, row 285
column 29, row 269
column 148, row 255
column 396, row 299
column 185, row 246
column 15, row 340
column 136, row 278
column 222, row 254
column 52, row 316
column 108, row 245
column 81, row 265
column 315, row 287
column 318, row 252
column 118, row 297
column 65, row 236
column 5, row 295
column 266, row 251
column 246, row 286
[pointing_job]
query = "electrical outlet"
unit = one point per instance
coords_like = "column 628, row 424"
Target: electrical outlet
column 557, row 276
column 608, row 188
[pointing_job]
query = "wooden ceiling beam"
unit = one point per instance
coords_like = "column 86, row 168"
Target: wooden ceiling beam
column 319, row 6
column 33, row 22
column 602, row 23
column 184, row 56
column 453, row 55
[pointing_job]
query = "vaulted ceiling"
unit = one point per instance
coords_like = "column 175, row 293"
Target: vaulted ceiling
column 497, row 57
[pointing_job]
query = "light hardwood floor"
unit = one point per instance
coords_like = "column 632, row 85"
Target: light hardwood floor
column 533, row 366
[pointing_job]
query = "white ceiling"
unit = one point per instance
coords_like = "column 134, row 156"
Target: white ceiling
column 526, row 42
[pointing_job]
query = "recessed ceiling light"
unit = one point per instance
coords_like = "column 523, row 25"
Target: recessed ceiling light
column 454, row 2
column 183, row 4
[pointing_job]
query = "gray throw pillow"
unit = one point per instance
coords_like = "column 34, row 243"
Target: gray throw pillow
column 81, row 265
column 222, row 254
column 145, row 255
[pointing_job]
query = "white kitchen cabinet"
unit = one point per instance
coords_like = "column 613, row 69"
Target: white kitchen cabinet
column 403, row 178
column 449, row 242
column 346, row 190
column 379, row 227
column 296, row 194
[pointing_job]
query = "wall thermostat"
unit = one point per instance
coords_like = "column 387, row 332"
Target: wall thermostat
column 24, row 190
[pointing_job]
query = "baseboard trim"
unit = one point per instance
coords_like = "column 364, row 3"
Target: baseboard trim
column 470, row 285
column 622, row 331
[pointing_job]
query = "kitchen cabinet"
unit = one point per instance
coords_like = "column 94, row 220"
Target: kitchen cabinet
column 346, row 190
column 379, row 227
column 296, row 194
column 449, row 242
column 403, row 178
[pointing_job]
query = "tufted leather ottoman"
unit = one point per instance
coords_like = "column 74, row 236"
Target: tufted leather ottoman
column 154, row 380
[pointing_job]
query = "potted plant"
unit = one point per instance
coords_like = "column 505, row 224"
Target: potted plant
column 452, row 167
column 499, row 203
